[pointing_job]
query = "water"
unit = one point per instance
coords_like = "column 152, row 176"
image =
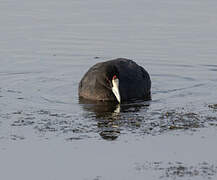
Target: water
column 45, row 49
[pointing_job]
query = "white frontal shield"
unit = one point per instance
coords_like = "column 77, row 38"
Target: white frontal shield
column 115, row 89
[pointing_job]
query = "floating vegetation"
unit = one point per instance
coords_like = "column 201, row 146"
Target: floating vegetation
column 110, row 134
column 179, row 170
column 109, row 123
column 181, row 120
column 213, row 106
column 23, row 122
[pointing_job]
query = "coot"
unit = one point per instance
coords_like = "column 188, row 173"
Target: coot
column 116, row 80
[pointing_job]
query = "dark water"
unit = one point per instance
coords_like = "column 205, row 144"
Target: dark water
column 47, row 46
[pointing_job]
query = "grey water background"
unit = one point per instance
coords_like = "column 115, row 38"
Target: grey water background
column 45, row 49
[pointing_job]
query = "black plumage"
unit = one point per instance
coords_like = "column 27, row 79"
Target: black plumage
column 134, row 81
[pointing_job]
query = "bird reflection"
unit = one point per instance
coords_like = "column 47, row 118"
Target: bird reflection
column 109, row 115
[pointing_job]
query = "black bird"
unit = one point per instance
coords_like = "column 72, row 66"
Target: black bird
column 116, row 80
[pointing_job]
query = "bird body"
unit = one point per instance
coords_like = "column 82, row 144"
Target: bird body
column 106, row 80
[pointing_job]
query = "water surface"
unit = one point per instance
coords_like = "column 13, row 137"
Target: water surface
column 47, row 133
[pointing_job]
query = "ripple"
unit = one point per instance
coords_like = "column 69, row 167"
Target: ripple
column 209, row 65
column 53, row 101
column 213, row 69
column 174, row 76
column 18, row 73
column 14, row 91
column 17, row 137
column 179, row 89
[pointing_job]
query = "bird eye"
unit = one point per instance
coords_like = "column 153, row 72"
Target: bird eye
column 114, row 77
